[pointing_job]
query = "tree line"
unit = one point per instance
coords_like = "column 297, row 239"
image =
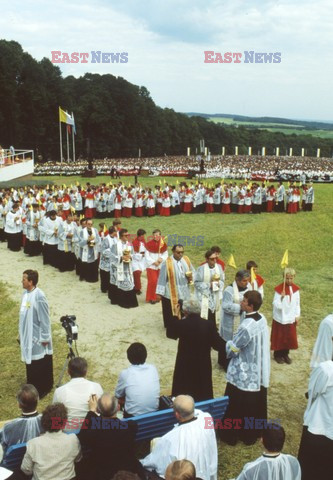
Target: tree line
column 113, row 117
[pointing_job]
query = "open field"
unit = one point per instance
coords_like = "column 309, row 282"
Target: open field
column 276, row 127
column 106, row 331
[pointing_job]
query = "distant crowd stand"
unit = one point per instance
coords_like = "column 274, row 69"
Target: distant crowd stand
column 242, row 167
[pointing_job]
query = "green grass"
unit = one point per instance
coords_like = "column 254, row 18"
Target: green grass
column 12, row 369
column 262, row 238
column 287, row 129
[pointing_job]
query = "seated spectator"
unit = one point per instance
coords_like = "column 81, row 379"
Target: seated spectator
column 190, row 439
column 76, row 393
column 28, row 425
column 138, row 386
column 52, row 455
column 272, row 465
column 180, row 470
column 111, row 441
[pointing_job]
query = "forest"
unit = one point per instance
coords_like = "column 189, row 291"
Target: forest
column 113, row 117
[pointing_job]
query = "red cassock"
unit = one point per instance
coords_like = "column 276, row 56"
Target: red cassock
column 152, row 275
column 284, row 337
column 139, row 211
column 89, row 212
column 210, row 206
column 225, row 208
column 270, row 203
column 188, row 205
column 165, row 211
column 241, row 207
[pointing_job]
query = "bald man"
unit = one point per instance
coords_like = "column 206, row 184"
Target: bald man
column 190, row 439
column 111, row 441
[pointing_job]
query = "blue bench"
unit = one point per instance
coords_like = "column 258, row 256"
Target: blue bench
column 14, row 456
column 156, row 424
column 150, row 425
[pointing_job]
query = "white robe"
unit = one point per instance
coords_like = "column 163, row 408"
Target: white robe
column 287, row 309
column 318, row 416
column 121, row 273
column 191, row 440
column 139, row 262
column 230, row 310
column 266, row 467
column 32, row 231
column 249, row 367
column 182, row 285
column 12, row 225
column 323, row 349
column 34, row 326
column 208, row 298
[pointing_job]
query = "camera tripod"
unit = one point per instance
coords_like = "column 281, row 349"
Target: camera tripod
column 69, row 357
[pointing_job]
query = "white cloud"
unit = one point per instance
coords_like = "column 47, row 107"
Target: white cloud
column 165, row 42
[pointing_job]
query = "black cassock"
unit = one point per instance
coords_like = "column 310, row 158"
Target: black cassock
column 193, row 369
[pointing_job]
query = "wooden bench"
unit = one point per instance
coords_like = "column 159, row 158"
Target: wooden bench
column 156, row 424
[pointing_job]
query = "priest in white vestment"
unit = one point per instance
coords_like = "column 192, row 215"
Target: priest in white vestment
column 89, row 250
column 231, row 310
column 35, row 334
column 190, row 439
column 121, row 290
column 209, row 282
column 174, row 282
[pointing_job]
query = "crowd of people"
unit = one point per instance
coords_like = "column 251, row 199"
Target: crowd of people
column 245, row 167
column 104, row 444
column 194, row 301
column 118, row 200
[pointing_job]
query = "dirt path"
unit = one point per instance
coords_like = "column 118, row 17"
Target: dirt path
column 105, row 331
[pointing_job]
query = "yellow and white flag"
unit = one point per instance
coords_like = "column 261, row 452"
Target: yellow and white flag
column 285, row 261
column 65, row 117
column 231, row 262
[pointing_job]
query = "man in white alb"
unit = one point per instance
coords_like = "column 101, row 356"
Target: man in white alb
column 35, row 334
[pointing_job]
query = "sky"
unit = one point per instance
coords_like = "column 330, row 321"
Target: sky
column 165, row 41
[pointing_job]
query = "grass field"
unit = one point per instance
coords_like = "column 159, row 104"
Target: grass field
column 262, row 238
column 275, row 127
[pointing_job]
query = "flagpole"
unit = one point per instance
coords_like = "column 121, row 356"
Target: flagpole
column 67, row 143
column 284, row 282
column 73, row 134
column 60, row 140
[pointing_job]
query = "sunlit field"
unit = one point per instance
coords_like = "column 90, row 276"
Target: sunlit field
column 309, row 238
